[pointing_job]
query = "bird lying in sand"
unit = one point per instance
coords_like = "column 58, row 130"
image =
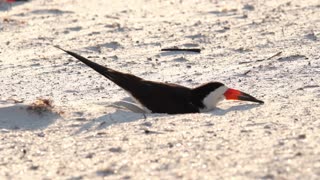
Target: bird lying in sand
column 158, row 97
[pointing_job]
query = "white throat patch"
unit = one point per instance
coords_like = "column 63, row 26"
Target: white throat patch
column 211, row 100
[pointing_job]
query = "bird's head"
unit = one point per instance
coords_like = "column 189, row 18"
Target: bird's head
column 212, row 93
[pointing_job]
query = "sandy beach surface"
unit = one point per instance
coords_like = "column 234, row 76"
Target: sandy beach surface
column 269, row 49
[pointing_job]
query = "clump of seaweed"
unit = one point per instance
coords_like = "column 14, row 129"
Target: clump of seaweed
column 41, row 105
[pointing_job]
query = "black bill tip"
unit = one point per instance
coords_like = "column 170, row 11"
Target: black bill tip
column 247, row 97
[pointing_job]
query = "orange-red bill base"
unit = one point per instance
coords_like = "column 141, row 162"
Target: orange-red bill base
column 233, row 94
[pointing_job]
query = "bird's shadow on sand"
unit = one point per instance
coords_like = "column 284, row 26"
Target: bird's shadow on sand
column 241, row 107
column 126, row 111
column 125, row 116
column 20, row 117
column 117, row 117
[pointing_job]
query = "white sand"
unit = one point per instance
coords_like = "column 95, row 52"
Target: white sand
column 278, row 140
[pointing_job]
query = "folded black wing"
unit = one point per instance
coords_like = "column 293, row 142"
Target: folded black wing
column 157, row 97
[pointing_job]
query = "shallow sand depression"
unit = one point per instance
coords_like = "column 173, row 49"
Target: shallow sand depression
column 269, row 49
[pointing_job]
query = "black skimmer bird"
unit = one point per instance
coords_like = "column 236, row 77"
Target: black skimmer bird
column 157, row 97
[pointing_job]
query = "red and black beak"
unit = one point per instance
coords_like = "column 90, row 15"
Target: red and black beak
column 233, row 94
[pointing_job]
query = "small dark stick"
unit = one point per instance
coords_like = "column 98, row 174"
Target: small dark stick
column 177, row 49
column 246, row 73
column 277, row 54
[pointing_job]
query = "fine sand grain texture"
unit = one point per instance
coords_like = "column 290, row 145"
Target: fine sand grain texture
column 269, row 49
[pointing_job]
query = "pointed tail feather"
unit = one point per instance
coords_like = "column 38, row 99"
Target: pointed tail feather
column 126, row 81
column 97, row 67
